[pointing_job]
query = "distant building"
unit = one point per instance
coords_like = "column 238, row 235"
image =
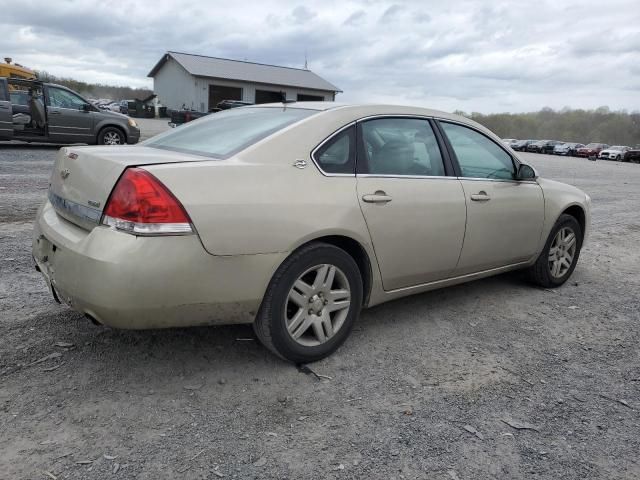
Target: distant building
column 200, row 82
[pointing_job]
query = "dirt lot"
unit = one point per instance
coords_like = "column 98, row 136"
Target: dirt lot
column 424, row 387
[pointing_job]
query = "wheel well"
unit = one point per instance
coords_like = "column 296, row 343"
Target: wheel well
column 578, row 213
column 358, row 253
column 117, row 127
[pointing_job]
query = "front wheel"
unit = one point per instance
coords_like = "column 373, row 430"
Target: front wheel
column 560, row 255
column 111, row 136
column 311, row 304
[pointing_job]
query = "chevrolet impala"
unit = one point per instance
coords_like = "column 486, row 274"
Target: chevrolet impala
column 294, row 217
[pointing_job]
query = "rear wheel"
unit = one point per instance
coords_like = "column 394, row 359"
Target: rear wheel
column 310, row 304
column 111, row 136
column 560, row 255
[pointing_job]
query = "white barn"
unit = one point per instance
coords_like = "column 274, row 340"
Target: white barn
column 200, row 82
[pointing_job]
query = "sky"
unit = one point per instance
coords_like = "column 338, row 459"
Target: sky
column 476, row 56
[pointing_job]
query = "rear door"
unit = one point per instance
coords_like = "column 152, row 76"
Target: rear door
column 6, row 113
column 67, row 120
column 414, row 211
column 504, row 216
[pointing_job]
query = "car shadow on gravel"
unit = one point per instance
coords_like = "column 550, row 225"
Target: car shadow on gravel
column 183, row 352
column 483, row 290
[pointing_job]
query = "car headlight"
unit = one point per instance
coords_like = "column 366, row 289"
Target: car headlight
column 132, row 123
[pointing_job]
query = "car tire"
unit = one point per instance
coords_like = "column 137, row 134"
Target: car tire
column 551, row 272
column 618, row 158
column 294, row 320
column 111, row 136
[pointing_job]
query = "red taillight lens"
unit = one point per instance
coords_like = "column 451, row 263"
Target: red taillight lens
column 141, row 204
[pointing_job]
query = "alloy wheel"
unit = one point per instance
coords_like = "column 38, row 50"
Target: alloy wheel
column 562, row 252
column 317, row 305
column 112, row 138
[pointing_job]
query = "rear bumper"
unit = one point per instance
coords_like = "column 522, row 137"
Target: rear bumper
column 133, row 282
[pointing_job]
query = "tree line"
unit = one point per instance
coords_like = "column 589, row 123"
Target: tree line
column 583, row 126
column 96, row 90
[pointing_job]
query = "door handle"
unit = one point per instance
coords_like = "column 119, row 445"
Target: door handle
column 54, row 112
column 480, row 197
column 378, row 197
column 4, row 107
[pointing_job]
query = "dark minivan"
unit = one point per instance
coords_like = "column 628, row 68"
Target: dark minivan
column 34, row 111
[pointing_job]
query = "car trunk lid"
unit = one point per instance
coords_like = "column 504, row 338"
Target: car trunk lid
column 83, row 177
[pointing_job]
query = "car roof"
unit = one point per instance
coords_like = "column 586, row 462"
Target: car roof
column 364, row 110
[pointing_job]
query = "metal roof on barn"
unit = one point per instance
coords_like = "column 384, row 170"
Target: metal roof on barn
column 224, row 68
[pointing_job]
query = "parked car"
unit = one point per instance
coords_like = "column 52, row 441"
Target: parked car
column 632, row 155
column 509, row 141
column 548, row 146
column 227, row 104
column 591, row 150
column 568, row 149
column 178, row 117
column 50, row 113
column 124, row 106
column 172, row 232
column 615, row 152
column 536, row 147
column 521, row 145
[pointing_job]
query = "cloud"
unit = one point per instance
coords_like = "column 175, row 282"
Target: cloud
column 356, row 18
column 468, row 54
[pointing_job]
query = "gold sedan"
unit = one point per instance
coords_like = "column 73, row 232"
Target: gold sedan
column 294, row 217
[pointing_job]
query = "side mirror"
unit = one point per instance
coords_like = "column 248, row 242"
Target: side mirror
column 86, row 107
column 526, row 172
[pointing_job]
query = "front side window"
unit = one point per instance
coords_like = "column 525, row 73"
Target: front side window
column 400, row 147
column 64, row 99
column 478, row 156
column 338, row 154
column 222, row 134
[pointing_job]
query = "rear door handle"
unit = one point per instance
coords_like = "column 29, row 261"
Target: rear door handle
column 54, row 112
column 378, row 197
column 480, row 197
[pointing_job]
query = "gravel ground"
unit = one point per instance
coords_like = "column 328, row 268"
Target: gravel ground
column 424, row 388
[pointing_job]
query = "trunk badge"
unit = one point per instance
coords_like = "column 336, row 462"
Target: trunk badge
column 65, row 173
column 72, row 155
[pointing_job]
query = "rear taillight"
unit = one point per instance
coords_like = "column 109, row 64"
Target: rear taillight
column 140, row 204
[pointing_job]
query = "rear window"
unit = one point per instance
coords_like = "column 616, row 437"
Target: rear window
column 222, row 134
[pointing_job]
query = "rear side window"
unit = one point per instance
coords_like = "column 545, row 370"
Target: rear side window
column 400, row 147
column 222, row 134
column 478, row 156
column 337, row 155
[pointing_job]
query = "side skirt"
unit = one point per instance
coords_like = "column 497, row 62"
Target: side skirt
column 382, row 297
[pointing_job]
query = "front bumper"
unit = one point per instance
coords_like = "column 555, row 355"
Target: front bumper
column 133, row 282
column 133, row 135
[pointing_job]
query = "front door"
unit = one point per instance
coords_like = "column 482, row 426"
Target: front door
column 504, row 216
column 6, row 113
column 415, row 213
column 67, row 120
